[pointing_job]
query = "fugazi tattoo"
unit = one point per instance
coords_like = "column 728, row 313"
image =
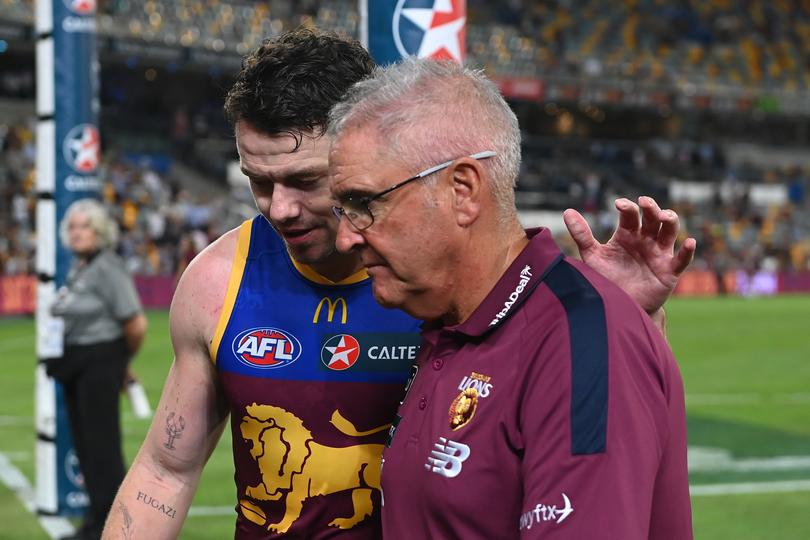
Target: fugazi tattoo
column 174, row 429
column 127, row 530
column 156, row 504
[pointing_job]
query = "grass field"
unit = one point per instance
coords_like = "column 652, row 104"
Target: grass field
column 746, row 366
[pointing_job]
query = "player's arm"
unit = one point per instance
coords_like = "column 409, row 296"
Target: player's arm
column 640, row 256
column 156, row 494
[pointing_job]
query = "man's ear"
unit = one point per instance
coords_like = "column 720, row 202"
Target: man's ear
column 467, row 191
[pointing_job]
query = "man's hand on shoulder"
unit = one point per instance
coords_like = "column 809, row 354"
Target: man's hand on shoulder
column 640, row 256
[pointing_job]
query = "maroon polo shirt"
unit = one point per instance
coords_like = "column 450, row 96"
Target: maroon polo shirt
column 555, row 411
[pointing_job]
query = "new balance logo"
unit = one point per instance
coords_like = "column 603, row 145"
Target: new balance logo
column 447, row 457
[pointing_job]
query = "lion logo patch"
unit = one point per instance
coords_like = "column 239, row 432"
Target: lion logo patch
column 462, row 409
column 295, row 467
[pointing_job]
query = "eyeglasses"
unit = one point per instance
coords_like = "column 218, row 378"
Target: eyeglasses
column 357, row 209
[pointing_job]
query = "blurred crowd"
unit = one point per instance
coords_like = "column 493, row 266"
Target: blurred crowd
column 760, row 43
column 732, row 234
column 164, row 225
column 736, row 42
column 17, row 199
column 744, row 216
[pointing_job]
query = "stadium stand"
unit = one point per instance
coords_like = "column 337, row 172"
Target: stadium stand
column 163, row 223
column 703, row 105
column 17, row 200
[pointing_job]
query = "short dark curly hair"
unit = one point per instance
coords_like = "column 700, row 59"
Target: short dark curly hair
column 289, row 84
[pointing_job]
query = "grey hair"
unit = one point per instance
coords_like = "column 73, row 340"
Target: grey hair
column 96, row 213
column 430, row 111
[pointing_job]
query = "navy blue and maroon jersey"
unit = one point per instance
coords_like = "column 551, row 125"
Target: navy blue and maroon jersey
column 555, row 411
column 313, row 372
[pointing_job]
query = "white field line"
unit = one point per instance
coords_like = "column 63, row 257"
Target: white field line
column 55, row 526
column 704, row 490
column 722, row 399
column 798, row 398
column 18, row 343
column 700, row 460
column 795, row 398
column 781, row 463
column 705, row 459
column 206, row 511
column 19, row 456
column 747, row 488
column 10, row 421
column 13, row 479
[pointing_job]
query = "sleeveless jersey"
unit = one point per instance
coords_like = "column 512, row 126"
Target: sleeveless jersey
column 313, row 372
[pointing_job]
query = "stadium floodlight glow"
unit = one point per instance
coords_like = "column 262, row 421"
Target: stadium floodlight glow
column 357, row 210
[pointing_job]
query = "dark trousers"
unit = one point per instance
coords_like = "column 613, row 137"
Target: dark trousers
column 92, row 394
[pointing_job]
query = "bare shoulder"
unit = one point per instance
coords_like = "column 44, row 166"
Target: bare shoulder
column 197, row 302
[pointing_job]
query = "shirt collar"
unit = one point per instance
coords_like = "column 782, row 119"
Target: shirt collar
column 528, row 269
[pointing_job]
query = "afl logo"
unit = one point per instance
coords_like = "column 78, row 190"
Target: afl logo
column 266, row 348
column 430, row 28
column 81, row 7
column 340, row 352
column 82, row 148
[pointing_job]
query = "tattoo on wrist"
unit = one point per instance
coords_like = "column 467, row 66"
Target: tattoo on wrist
column 148, row 500
column 174, row 429
column 127, row 530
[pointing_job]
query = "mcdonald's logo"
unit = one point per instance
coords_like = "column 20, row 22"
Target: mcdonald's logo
column 330, row 310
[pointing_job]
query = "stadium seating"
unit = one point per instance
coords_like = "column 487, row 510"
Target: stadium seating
column 710, row 44
column 725, row 201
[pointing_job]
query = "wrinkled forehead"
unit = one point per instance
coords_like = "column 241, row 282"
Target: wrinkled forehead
column 280, row 154
column 360, row 164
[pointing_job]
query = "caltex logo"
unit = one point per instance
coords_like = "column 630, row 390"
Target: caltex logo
column 266, row 348
column 340, row 352
column 430, row 28
column 81, row 7
column 82, row 148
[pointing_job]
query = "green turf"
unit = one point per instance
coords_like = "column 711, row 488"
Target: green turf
column 17, row 523
column 780, row 516
column 746, row 368
column 151, row 365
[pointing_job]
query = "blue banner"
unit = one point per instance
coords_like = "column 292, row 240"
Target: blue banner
column 423, row 28
column 78, row 153
column 76, row 82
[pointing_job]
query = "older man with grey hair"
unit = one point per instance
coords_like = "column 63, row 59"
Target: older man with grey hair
column 545, row 404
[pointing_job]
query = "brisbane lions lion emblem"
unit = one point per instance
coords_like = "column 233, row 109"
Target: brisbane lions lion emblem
column 462, row 409
column 295, row 467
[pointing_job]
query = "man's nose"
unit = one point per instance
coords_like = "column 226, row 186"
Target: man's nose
column 348, row 237
column 285, row 204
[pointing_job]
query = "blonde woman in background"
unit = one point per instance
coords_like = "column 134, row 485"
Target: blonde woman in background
column 104, row 328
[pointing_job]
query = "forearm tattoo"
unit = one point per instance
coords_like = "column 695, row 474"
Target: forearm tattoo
column 148, row 500
column 174, row 429
column 127, row 529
